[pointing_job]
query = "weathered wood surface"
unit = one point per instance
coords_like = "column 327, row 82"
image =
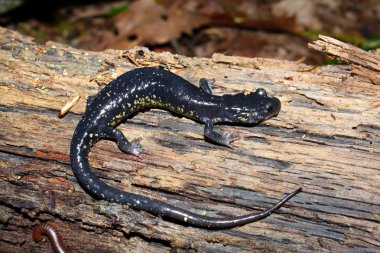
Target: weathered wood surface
column 326, row 139
column 364, row 64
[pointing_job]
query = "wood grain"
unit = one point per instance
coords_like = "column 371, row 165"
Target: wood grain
column 325, row 139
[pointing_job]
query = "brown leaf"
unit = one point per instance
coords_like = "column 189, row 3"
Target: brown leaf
column 151, row 23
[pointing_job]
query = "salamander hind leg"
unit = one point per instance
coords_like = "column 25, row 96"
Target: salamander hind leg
column 91, row 98
column 131, row 147
column 220, row 138
column 89, row 101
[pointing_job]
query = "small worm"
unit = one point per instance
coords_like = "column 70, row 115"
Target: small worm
column 52, row 233
column 66, row 108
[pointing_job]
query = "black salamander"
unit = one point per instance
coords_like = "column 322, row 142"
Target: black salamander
column 156, row 88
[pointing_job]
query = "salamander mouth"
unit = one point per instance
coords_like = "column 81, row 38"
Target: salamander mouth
column 273, row 108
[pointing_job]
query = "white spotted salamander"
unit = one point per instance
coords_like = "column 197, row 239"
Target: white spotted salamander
column 156, row 88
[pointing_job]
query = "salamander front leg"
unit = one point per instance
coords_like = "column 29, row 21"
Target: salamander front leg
column 215, row 136
column 205, row 85
column 131, row 147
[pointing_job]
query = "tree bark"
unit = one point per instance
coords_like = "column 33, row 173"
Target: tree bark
column 325, row 139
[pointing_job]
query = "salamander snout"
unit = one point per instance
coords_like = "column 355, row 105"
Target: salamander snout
column 272, row 107
column 250, row 108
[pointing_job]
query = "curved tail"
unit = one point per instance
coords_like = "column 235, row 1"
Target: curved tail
column 80, row 147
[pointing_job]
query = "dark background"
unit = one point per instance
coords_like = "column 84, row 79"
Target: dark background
column 277, row 29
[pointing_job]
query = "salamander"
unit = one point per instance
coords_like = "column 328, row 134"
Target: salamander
column 146, row 88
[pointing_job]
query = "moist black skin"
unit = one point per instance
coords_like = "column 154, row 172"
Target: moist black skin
column 146, row 88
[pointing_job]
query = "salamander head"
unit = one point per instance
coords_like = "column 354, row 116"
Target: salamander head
column 251, row 108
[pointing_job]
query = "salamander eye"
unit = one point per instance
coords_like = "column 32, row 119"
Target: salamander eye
column 261, row 92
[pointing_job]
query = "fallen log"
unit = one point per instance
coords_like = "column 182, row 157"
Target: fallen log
column 325, row 139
